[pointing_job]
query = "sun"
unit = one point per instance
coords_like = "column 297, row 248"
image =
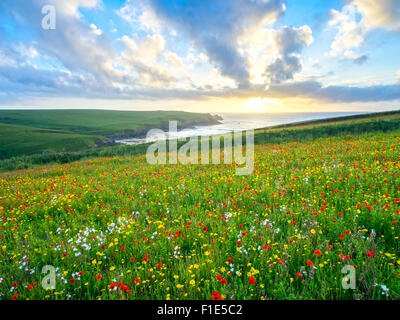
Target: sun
column 260, row 104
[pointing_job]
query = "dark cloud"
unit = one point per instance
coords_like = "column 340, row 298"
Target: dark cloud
column 289, row 43
column 361, row 59
column 214, row 26
column 315, row 90
column 283, row 69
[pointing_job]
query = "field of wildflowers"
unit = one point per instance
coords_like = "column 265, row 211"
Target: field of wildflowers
column 119, row 228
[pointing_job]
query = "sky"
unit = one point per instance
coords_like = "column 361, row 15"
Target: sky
column 201, row 55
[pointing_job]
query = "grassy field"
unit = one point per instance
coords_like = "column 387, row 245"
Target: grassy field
column 26, row 132
column 304, row 131
column 18, row 140
column 119, row 228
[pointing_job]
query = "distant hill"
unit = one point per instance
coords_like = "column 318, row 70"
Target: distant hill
column 25, row 132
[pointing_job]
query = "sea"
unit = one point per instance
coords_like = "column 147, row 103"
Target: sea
column 234, row 122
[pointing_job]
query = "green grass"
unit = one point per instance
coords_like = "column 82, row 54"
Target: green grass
column 321, row 197
column 27, row 132
column 311, row 130
column 335, row 119
column 121, row 228
column 17, row 140
column 95, row 122
column 305, row 131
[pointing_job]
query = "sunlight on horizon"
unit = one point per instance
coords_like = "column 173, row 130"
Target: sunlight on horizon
column 261, row 104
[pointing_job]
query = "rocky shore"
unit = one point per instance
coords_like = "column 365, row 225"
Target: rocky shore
column 141, row 133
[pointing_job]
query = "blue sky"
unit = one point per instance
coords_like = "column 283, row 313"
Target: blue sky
column 202, row 55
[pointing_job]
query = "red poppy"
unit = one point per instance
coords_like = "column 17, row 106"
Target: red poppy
column 310, row 263
column 370, row 253
column 72, row 281
column 14, row 297
column 112, row 286
column 252, row 280
column 99, row 277
column 317, row 252
column 298, row 274
column 216, row 296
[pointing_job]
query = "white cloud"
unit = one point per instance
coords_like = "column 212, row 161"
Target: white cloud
column 96, row 31
column 153, row 65
column 356, row 20
column 142, row 16
column 71, row 7
column 380, row 13
column 274, row 55
column 144, row 50
column 351, row 32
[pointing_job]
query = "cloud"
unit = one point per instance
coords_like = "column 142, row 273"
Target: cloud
column 361, row 59
column 142, row 17
column 77, row 45
column 356, row 20
column 380, row 14
column 215, row 25
column 145, row 57
column 316, row 90
column 289, row 43
column 351, row 32
column 221, row 49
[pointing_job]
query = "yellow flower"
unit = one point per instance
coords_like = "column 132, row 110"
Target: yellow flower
column 192, row 282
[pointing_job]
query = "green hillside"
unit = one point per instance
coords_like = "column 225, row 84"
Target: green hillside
column 17, row 140
column 27, row 132
column 96, row 122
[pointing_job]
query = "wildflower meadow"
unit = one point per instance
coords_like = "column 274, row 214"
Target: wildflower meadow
column 312, row 215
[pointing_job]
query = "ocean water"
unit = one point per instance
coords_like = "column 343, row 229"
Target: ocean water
column 233, row 122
